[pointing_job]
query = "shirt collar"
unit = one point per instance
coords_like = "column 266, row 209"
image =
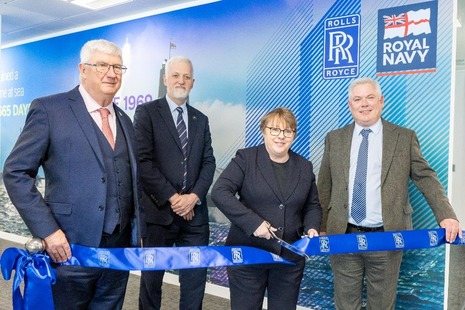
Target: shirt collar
column 91, row 104
column 173, row 105
column 375, row 128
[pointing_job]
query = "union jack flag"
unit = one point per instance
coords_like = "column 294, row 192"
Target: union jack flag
column 394, row 20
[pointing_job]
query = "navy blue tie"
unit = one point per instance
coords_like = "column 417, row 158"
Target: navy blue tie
column 182, row 131
column 359, row 195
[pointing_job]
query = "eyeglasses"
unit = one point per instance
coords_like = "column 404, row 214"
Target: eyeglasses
column 104, row 68
column 288, row 133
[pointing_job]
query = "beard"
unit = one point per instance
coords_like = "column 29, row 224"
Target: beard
column 180, row 93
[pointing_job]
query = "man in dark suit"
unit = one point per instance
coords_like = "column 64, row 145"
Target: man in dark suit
column 393, row 157
column 177, row 167
column 90, row 168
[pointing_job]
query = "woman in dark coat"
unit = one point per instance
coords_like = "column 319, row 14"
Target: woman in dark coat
column 277, row 193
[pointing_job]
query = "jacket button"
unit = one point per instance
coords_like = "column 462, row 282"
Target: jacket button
column 280, row 229
column 102, row 179
column 101, row 208
column 281, row 206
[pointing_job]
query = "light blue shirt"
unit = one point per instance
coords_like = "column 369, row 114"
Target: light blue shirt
column 172, row 105
column 374, row 216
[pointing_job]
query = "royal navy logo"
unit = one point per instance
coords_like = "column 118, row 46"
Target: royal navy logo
column 149, row 259
column 194, row 257
column 324, row 245
column 433, row 238
column 341, row 47
column 407, row 39
column 362, row 242
column 398, row 240
column 103, row 258
column 237, row 255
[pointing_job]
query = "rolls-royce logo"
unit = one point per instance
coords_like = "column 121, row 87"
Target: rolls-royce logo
column 341, row 47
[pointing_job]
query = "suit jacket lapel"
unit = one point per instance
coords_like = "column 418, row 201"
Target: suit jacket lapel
column 164, row 110
column 390, row 137
column 125, row 131
column 193, row 126
column 85, row 121
column 346, row 144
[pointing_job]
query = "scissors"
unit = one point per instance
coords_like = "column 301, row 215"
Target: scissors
column 287, row 245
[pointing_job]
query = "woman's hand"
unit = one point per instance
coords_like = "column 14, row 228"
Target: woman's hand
column 312, row 233
column 263, row 231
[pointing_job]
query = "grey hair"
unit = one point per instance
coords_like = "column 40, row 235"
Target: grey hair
column 362, row 81
column 177, row 59
column 103, row 46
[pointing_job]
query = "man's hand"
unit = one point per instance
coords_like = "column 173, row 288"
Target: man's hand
column 189, row 216
column 452, row 229
column 182, row 205
column 57, row 247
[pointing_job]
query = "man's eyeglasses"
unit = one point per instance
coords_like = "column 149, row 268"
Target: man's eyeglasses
column 104, row 68
column 288, row 133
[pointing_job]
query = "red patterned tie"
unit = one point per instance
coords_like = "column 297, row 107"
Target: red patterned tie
column 106, row 127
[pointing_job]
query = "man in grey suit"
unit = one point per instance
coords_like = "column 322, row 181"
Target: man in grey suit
column 374, row 198
column 90, row 164
column 177, row 167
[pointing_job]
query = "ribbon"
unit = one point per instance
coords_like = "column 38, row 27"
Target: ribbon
column 374, row 241
column 37, row 274
column 167, row 258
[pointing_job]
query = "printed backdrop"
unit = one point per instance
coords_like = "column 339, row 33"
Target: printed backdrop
column 252, row 56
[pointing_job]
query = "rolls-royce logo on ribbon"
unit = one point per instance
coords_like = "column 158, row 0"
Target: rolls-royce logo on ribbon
column 433, row 238
column 103, row 258
column 341, row 47
column 407, row 39
column 362, row 242
column 237, row 255
column 276, row 258
column 149, row 259
column 398, row 240
column 194, row 257
column 324, row 245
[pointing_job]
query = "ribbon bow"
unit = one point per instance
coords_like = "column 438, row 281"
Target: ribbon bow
column 38, row 278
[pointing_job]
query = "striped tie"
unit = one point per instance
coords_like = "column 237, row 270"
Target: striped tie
column 182, row 131
column 359, row 196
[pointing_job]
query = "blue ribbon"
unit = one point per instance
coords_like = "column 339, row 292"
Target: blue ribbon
column 374, row 241
column 167, row 258
column 37, row 274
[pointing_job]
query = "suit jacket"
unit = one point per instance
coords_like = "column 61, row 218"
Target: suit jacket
column 294, row 210
column 161, row 160
column 401, row 161
column 59, row 136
